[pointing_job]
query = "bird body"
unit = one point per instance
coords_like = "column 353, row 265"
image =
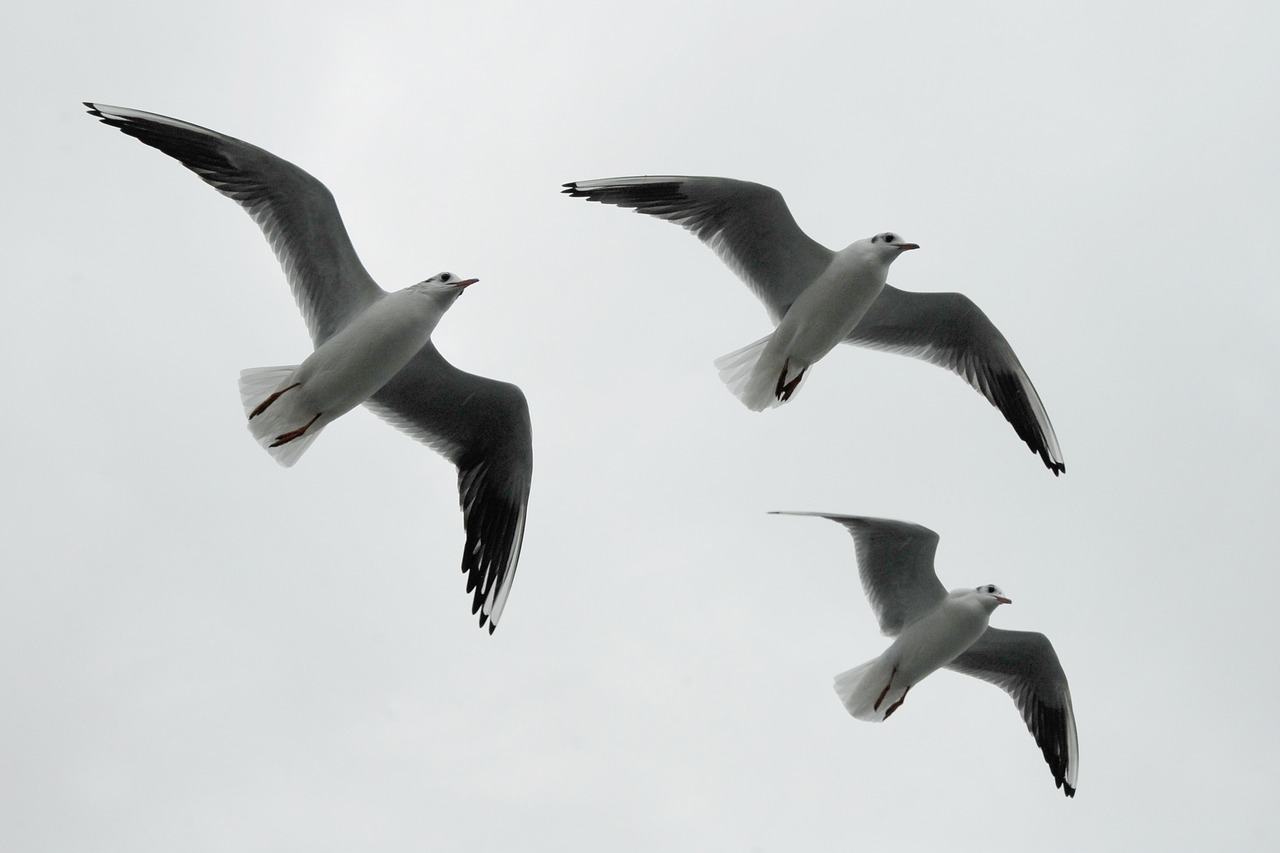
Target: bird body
column 346, row 369
column 820, row 318
column 874, row 690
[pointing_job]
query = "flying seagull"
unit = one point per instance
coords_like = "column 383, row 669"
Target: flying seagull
column 818, row 298
column 371, row 347
column 933, row 628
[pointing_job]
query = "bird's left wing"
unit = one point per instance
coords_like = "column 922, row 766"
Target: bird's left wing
column 949, row 330
column 1024, row 665
column 895, row 564
column 748, row 225
column 482, row 426
column 295, row 211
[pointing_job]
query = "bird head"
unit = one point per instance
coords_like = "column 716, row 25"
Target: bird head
column 445, row 286
column 887, row 246
column 992, row 592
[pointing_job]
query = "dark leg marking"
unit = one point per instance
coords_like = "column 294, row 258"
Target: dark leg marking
column 784, row 391
column 896, row 705
column 292, row 434
column 880, row 698
column 262, row 407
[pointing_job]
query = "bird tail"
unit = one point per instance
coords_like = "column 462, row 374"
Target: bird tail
column 868, row 690
column 760, row 383
column 281, row 416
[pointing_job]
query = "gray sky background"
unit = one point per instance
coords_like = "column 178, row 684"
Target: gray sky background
column 204, row 651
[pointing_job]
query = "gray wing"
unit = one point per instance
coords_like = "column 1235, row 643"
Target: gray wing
column 295, row 211
column 482, row 426
column 948, row 330
column 1024, row 665
column 895, row 563
column 748, row 225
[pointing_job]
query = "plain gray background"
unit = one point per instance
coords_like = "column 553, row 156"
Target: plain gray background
column 204, row 651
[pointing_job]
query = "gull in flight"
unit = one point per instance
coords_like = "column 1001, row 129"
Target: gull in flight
column 933, row 628
column 371, row 347
column 819, row 298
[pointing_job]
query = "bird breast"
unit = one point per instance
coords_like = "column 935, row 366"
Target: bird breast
column 363, row 356
column 830, row 307
column 939, row 637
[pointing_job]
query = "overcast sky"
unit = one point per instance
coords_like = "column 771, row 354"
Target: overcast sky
column 203, row 651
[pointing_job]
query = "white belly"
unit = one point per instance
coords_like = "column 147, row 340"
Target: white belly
column 823, row 315
column 352, row 365
column 937, row 639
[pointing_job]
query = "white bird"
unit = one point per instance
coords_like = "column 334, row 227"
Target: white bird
column 371, row 347
column 819, row 298
column 933, row 628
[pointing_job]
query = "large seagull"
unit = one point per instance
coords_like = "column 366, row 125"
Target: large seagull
column 371, row 347
column 819, row 298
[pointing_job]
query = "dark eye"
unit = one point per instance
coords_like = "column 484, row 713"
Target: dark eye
column 889, row 238
column 991, row 589
column 444, row 277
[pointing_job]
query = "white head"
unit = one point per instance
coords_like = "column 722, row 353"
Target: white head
column 445, row 286
column 886, row 247
column 993, row 594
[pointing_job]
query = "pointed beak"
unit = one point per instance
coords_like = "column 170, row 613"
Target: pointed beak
column 466, row 283
column 907, row 246
column 1003, row 600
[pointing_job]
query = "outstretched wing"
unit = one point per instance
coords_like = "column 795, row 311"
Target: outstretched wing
column 1024, row 665
column 748, row 225
column 895, row 563
column 481, row 426
column 948, row 330
column 295, row 211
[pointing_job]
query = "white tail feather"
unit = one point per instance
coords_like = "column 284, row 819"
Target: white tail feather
column 754, row 379
column 862, row 688
column 283, row 415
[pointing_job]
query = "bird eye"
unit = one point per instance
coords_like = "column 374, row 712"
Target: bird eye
column 444, row 277
column 888, row 238
column 991, row 589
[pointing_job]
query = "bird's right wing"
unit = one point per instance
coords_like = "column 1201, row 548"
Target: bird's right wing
column 1024, row 665
column 295, row 211
column 748, row 225
column 482, row 426
column 949, row 330
column 895, row 563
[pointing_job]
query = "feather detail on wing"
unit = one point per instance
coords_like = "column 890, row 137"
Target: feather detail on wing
column 949, row 330
column 482, row 426
column 1024, row 665
column 295, row 211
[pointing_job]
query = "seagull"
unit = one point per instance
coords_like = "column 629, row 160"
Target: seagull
column 818, row 298
column 371, row 347
column 933, row 628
